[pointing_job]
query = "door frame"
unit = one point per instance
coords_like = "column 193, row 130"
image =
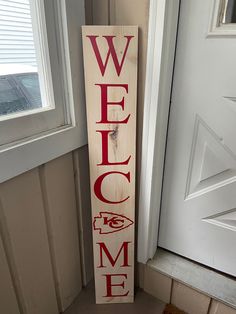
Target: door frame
column 163, row 24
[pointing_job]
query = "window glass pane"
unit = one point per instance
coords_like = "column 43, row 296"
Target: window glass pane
column 228, row 15
column 29, row 83
column 11, row 99
column 18, row 62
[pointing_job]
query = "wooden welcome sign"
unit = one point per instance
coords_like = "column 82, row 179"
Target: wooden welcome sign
column 110, row 63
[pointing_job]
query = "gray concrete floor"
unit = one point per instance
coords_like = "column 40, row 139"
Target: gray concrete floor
column 144, row 304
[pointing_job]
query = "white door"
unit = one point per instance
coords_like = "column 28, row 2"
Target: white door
column 198, row 214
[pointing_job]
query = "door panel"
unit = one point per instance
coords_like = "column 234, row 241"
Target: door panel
column 198, row 216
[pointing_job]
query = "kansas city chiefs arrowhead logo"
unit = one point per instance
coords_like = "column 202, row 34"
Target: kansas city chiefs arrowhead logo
column 108, row 222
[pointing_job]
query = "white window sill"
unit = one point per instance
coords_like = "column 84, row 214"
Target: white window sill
column 196, row 276
column 24, row 156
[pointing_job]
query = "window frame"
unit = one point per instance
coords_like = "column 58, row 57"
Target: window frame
column 23, row 155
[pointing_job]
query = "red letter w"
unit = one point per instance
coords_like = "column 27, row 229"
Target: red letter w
column 111, row 51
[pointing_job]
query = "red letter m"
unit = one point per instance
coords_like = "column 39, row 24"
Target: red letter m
column 112, row 260
column 111, row 51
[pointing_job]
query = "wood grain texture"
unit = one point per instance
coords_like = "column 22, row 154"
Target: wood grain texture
column 121, row 143
column 25, row 222
column 57, row 181
column 132, row 12
column 135, row 12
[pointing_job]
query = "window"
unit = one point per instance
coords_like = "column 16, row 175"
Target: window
column 223, row 19
column 31, row 66
column 41, row 90
column 17, row 57
column 29, row 84
column 11, row 99
column 228, row 12
column 19, row 92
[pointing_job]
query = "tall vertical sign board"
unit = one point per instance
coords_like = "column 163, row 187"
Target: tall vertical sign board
column 110, row 63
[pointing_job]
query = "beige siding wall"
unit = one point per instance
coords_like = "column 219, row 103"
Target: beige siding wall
column 45, row 219
column 40, row 259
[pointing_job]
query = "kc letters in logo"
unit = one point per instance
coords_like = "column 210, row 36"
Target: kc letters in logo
column 110, row 59
column 108, row 222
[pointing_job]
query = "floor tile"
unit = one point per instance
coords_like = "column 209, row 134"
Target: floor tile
column 189, row 300
column 220, row 308
column 157, row 285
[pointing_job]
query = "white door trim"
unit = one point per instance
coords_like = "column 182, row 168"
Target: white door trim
column 163, row 20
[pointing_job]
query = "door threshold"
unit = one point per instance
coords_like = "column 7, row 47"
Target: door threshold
column 210, row 282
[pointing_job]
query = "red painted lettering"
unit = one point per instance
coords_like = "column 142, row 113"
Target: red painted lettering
column 124, row 248
column 105, row 103
column 109, row 285
column 98, row 186
column 105, row 161
column 111, row 52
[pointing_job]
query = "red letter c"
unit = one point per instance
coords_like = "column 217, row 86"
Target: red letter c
column 98, row 186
